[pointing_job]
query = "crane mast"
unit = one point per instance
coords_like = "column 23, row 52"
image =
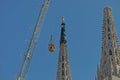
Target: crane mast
column 27, row 59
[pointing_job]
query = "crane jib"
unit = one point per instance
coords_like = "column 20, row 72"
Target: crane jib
column 26, row 63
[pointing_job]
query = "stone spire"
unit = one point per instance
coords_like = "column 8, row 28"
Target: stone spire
column 110, row 58
column 63, row 71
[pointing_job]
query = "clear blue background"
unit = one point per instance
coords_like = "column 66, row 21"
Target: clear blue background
column 84, row 20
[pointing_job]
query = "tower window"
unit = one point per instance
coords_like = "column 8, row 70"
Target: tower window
column 110, row 52
column 63, row 72
column 62, row 58
column 108, row 36
column 62, row 65
column 112, row 59
column 108, row 21
column 108, row 29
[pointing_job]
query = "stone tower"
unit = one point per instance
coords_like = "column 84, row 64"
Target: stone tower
column 63, row 71
column 110, row 58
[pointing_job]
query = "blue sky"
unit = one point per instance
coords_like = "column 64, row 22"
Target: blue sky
column 83, row 18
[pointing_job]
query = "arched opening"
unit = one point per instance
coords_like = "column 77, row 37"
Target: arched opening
column 108, row 36
column 108, row 21
column 116, row 52
column 110, row 52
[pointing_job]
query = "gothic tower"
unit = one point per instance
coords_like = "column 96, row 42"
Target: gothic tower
column 110, row 58
column 63, row 71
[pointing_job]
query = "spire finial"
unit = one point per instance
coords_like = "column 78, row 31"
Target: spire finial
column 62, row 19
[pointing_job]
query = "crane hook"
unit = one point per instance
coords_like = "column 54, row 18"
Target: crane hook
column 51, row 45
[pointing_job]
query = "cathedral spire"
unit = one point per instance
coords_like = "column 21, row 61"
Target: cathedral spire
column 110, row 59
column 63, row 71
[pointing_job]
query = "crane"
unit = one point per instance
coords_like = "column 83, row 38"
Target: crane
column 28, row 56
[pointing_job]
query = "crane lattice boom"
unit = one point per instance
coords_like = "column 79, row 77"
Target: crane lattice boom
column 26, row 63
